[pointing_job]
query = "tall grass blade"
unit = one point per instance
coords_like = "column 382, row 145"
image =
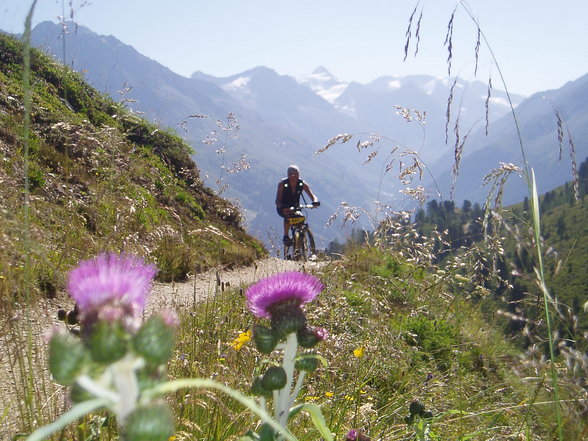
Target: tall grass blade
column 317, row 418
column 172, row 386
column 546, row 298
column 76, row 412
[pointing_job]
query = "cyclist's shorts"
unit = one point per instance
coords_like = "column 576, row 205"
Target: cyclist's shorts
column 280, row 212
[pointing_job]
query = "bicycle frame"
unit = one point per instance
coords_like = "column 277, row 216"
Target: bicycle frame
column 297, row 231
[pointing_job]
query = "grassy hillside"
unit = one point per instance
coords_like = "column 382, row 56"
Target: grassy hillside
column 401, row 336
column 564, row 233
column 564, row 230
column 413, row 349
column 100, row 179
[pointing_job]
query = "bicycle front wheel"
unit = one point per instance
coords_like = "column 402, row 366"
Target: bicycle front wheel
column 309, row 247
column 299, row 248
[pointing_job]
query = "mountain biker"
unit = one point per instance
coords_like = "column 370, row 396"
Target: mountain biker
column 288, row 195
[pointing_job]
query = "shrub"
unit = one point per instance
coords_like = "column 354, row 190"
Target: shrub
column 434, row 339
column 174, row 260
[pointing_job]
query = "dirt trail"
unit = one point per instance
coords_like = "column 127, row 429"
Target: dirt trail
column 40, row 319
column 179, row 295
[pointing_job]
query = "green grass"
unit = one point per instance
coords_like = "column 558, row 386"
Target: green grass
column 90, row 178
column 401, row 330
column 101, row 179
column 435, row 348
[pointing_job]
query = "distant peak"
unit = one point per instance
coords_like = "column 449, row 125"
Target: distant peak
column 322, row 70
column 261, row 70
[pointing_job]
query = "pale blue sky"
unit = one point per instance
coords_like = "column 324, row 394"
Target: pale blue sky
column 539, row 44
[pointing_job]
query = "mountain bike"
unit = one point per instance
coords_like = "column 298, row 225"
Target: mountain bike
column 301, row 246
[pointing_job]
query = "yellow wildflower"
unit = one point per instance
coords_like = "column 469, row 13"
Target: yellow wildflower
column 349, row 398
column 243, row 338
column 329, row 394
column 358, row 352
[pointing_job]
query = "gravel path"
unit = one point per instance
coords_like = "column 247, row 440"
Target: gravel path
column 14, row 331
column 179, row 295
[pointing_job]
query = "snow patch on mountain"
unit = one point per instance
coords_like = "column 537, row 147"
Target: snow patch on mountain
column 500, row 101
column 430, row 86
column 394, row 84
column 324, row 84
column 237, row 84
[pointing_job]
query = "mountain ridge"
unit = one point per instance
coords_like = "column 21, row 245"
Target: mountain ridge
column 283, row 120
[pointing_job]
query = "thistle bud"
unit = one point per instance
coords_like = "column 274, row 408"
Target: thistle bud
column 416, row 408
column 154, row 341
column 274, row 378
column 107, row 342
column 265, row 339
column 72, row 317
column 150, row 423
column 258, row 390
column 307, row 363
column 66, row 357
column 308, row 338
column 267, row 432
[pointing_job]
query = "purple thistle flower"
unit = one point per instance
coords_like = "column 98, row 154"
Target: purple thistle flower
column 351, row 435
column 356, row 435
column 170, row 318
column 321, row 333
column 291, row 286
column 111, row 279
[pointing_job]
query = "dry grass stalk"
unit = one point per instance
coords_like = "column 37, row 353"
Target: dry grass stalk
column 417, row 34
column 575, row 176
column 458, row 152
column 448, row 110
column 408, row 31
column 487, row 105
column 498, row 176
column 184, row 122
column 449, row 42
column 560, row 140
column 477, row 49
column 342, row 138
column 560, row 132
column 238, row 166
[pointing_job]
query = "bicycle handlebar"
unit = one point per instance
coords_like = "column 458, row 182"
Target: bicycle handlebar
column 302, row 206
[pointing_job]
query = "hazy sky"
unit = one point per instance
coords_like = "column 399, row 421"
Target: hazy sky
column 539, row 44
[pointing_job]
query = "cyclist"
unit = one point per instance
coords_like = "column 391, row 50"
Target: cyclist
column 288, row 195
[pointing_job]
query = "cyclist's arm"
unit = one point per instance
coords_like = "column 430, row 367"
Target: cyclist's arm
column 279, row 195
column 308, row 191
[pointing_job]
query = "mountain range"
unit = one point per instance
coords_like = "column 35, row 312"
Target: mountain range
column 271, row 121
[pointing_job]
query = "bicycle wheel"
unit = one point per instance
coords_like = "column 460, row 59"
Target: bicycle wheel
column 288, row 250
column 299, row 249
column 309, row 246
column 287, row 255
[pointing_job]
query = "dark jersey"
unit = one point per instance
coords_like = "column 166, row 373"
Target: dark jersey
column 289, row 198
